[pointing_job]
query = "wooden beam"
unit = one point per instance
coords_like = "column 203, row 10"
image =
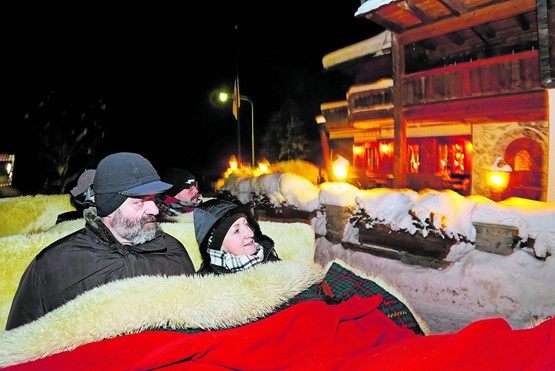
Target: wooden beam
column 551, row 23
column 543, row 40
column 454, row 6
column 324, row 139
column 425, row 19
column 416, row 12
column 455, row 38
column 515, row 107
column 384, row 22
column 481, row 37
column 458, row 9
column 483, row 15
column 522, row 22
column 400, row 152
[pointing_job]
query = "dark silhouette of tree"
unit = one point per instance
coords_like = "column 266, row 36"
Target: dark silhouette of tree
column 65, row 130
column 286, row 128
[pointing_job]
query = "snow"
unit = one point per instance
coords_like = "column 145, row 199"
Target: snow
column 474, row 285
column 370, row 5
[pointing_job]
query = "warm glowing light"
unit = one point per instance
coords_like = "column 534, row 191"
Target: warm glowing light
column 384, row 147
column 358, row 150
column 264, row 166
column 340, row 172
column 498, row 179
column 223, row 97
column 6, row 169
column 340, row 168
column 233, row 163
column 468, row 146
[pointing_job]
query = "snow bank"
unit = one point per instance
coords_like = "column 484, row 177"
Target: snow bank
column 407, row 209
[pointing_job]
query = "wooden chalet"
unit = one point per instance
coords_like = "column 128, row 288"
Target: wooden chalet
column 447, row 88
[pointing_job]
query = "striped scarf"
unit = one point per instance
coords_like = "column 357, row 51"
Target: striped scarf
column 236, row 263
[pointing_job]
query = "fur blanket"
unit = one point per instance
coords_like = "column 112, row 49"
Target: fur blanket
column 31, row 214
column 114, row 327
column 133, row 305
column 293, row 241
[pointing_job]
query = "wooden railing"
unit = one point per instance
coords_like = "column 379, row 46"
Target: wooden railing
column 506, row 74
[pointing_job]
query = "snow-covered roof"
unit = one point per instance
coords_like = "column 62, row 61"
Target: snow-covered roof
column 384, row 83
column 371, row 5
column 374, row 46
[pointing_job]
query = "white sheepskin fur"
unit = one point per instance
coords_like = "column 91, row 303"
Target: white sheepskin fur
column 293, row 241
column 133, row 305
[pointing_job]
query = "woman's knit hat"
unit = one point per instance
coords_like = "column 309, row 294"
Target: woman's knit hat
column 219, row 231
column 219, row 214
column 212, row 219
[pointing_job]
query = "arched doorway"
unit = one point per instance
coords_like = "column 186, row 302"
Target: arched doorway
column 525, row 155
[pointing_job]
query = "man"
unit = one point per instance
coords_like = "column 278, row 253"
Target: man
column 121, row 239
column 180, row 199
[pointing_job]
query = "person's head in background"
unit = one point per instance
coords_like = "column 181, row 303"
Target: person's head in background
column 229, row 237
column 81, row 197
column 125, row 188
column 82, row 194
column 184, row 185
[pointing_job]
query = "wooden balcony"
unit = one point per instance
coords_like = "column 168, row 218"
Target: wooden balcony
column 504, row 88
column 508, row 74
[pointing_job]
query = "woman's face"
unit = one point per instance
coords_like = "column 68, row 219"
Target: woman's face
column 239, row 239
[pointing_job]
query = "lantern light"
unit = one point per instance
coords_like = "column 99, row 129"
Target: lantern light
column 233, row 163
column 340, row 168
column 264, row 166
column 498, row 178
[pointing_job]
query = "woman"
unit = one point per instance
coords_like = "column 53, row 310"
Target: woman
column 230, row 240
column 229, row 237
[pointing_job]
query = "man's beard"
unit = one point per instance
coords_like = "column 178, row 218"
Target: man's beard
column 135, row 231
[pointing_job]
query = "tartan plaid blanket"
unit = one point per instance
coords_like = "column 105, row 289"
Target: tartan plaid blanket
column 344, row 283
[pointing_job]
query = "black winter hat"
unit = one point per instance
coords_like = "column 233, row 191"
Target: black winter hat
column 179, row 179
column 207, row 215
column 220, row 229
column 124, row 174
column 211, row 213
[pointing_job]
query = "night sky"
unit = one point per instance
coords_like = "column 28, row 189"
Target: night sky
column 155, row 68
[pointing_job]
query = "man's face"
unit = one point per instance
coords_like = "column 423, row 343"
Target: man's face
column 135, row 219
column 189, row 194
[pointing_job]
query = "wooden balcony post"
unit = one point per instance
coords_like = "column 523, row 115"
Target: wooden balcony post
column 400, row 158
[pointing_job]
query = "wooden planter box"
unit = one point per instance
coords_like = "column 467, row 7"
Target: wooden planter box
column 336, row 219
column 283, row 215
column 430, row 246
column 496, row 238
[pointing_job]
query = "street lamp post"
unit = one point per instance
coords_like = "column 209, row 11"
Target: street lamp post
column 247, row 99
column 223, row 98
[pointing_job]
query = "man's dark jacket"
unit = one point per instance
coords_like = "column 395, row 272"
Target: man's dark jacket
column 87, row 259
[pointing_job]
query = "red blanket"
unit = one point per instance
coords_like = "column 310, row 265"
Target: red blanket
column 352, row 335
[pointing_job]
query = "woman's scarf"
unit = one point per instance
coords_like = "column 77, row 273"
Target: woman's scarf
column 236, row 263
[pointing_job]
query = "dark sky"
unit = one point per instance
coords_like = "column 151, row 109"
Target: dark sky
column 156, row 68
